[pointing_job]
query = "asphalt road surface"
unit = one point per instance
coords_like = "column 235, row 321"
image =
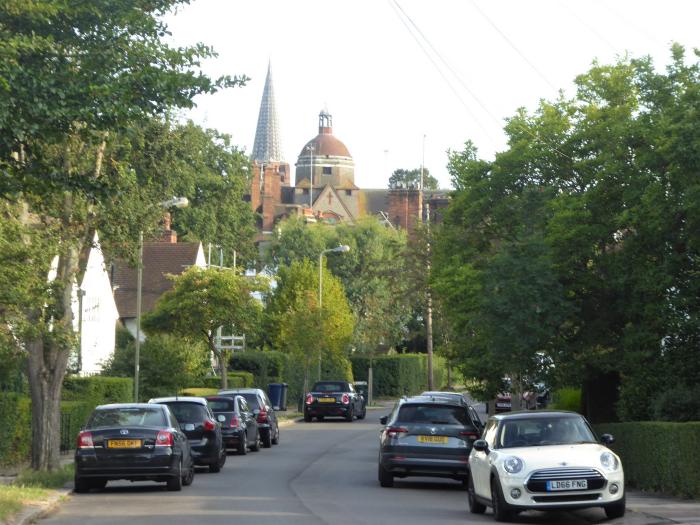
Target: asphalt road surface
column 321, row 473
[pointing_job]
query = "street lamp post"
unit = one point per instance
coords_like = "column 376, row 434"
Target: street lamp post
column 175, row 202
column 339, row 249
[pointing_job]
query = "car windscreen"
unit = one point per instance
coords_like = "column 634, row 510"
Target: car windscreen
column 330, row 387
column 221, row 405
column 433, row 414
column 542, row 431
column 127, row 417
column 186, row 412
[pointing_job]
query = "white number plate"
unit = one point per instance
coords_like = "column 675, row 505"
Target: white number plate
column 567, row 484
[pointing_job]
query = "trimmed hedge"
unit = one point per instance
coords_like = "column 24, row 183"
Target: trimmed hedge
column 235, row 380
column 398, row 375
column 98, row 389
column 15, row 422
column 658, row 456
column 266, row 367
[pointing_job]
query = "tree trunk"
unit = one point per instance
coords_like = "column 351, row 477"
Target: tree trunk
column 223, row 369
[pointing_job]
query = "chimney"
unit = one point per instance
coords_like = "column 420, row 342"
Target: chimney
column 169, row 235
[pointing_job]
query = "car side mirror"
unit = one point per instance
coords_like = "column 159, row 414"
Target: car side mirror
column 607, row 439
column 481, row 445
column 221, row 418
column 383, row 420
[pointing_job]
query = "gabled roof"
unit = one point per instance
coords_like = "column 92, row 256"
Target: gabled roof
column 159, row 260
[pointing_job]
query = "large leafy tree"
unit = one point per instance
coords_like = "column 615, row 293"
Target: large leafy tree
column 403, row 179
column 73, row 77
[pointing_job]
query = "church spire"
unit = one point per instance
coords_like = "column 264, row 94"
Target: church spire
column 267, row 147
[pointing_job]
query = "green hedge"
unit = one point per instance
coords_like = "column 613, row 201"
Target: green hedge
column 398, row 375
column 658, row 456
column 15, row 425
column 98, row 389
column 235, row 380
column 266, row 367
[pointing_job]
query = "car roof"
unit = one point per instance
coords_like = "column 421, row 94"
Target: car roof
column 438, row 400
column 123, row 405
column 529, row 414
column 219, row 398
column 184, row 399
column 240, row 391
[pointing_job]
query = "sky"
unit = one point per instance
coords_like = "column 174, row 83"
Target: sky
column 396, row 101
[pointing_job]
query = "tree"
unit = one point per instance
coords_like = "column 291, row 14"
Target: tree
column 403, row 179
column 73, row 76
column 200, row 302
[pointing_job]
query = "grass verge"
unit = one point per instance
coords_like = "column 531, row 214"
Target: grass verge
column 289, row 415
column 41, row 479
column 13, row 498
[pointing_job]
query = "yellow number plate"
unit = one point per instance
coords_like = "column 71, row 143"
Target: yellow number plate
column 432, row 439
column 124, row 443
column 326, row 400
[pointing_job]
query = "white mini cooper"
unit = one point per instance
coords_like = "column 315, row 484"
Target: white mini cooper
column 543, row 460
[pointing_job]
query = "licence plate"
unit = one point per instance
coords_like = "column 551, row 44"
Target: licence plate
column 567, row 484
column 124, row 443
column 432, row 439
column 503, row 405
column 326, row 400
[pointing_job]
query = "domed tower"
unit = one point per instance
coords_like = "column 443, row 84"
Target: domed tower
column 332, row 162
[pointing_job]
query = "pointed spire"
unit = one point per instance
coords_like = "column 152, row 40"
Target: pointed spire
column 267, row 146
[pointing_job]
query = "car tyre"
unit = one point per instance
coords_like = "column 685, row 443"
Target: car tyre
column 276, row 439
column 474, row 506
column 216, row 467
column 386, row 478
column 189, row 477
column 242, row 445
column 98, row 484
column 81, row 485
column 307, row 418
column 320, row 418
column 350, row 415
column 615, row 510
column 267, row 439
column 256, row 446
column 174, row 484
column 501, row 509
column 362, row 414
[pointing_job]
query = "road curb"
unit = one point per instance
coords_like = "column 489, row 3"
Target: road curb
column 32, row 513
column 289, row 422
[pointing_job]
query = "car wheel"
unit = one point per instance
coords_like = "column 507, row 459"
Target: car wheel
column 242, row 445
column 307, row 418
column 189, row 477
column 81, row 485
column 363, row 413
column 386, row 478
column 501, row 510
column 174, row 484
column 98, row 484
column 255, row 447
column 216, row 467
column 276, row 439
column 474, row 506
column 350, row 415
column 267, row 439
column 615, row 510
column 320, row 418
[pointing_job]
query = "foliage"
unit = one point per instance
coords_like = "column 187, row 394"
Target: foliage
column 266, row 367
column 199, row 391
column 236, row 379
column 410, row 180
column 101, row 389
column 397, row 375
column 678, row 403
column 577, row 247
column 15, row 422
column 167, row 363
column 49, row 480
column 566, row 399
column 13, row 498
column 201, row 301
column 658, row 456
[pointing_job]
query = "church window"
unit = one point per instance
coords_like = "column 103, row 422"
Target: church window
column 348, row 192
column 327, row 170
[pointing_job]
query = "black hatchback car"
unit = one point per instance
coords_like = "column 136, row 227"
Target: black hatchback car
column 238, row 424
column 426, row 436
column 203, row 431
column 264, row 413
column 136, row 442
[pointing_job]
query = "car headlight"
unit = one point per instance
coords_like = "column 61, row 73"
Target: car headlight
column 609, row 461
column 512, row 464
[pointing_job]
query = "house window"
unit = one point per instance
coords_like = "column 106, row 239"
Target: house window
column 348, row 192
column 306, row 191
column 327, row 170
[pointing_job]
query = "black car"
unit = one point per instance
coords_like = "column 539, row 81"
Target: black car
column 334, row 399
column 238, row 424
column 426, row 436
column 135, row 441
column 264, row 413
column 203, row 431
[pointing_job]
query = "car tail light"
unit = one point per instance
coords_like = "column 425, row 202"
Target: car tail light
column 396, row 431
column 262, row 416
column 164, row 438
column 235, row 422
column 470, row 435
column 85, row 440
column 209, row 424
column 309, row 399
column 346, row 399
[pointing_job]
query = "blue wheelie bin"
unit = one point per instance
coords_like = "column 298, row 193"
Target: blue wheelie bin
column 278, row 395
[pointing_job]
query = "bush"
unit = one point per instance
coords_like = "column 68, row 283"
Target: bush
column 266, row 367
column 98, row 389
column 658, row 456
column 398, row 375
column 15, row 420
column 198, row 392
column 679, row 403
column 235, row 380
column 566, row 399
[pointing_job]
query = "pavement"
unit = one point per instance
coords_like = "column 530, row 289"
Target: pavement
column 322, row 474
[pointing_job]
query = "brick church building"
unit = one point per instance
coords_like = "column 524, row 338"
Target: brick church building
column 324, row 188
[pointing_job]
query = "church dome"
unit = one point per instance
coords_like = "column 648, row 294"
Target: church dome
column 326, row 144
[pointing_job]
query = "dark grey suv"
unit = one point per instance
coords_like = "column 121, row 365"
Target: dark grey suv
column 426, row 436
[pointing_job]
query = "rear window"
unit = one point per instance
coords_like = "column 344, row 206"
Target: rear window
column 221, row 405
column 127, row 417
column 252, row 400
column 434, row 414
column 330, row 387
column 187, row 412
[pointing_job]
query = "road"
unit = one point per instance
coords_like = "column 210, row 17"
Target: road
column 321, row 473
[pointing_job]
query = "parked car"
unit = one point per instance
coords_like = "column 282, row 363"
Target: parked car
column 239, row 427
column 134, row 441
column 456, row 396
column 334, row 399
column 203, row 431
column 544, row 460
column 264, row 413
column 426, row 436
